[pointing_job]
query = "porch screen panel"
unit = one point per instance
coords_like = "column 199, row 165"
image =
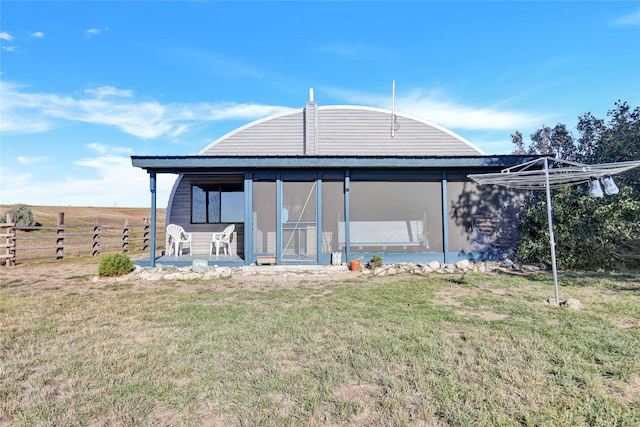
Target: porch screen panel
column 396, row 217
column 299, row 220
column 462, row 202
column 264, row 217
column 333, row 237
column 482, row 219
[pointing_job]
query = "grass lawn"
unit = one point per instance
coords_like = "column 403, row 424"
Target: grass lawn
column 426, row 351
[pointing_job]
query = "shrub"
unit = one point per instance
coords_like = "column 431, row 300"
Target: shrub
column 375, row 262
column 590, row 233
column 115, row 265
column 24, row 215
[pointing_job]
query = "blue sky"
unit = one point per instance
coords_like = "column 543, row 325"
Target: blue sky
column 85, row 85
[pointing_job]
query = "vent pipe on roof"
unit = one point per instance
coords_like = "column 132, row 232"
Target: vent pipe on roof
column 394, row 118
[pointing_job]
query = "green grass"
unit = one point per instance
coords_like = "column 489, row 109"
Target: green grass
column 418, row 351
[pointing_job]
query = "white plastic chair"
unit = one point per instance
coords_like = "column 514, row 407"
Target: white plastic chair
column 223, row 238
column 176, row 238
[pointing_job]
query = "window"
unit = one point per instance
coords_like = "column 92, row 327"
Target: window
column 217, row 203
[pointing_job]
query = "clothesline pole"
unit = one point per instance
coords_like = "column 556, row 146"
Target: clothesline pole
column 552, row 240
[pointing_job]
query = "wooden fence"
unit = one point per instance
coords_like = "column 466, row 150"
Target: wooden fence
column 62, row 240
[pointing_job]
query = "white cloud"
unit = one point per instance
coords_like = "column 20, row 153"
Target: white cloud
column 97, row 147
column 9, row 48
column 93, row 32
column 25, row 160
column 103, row 149
column 109, row 180
column 6, row 36
column 107, row 91
column 37, row 35
column 631, row 19
column 432, row 106
column 24, row 112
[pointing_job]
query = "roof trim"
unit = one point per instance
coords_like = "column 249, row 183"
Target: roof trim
column 187, row 164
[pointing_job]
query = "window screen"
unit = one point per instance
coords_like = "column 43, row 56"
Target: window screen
column 395, row 216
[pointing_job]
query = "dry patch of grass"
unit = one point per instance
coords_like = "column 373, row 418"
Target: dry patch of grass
column 412, row 351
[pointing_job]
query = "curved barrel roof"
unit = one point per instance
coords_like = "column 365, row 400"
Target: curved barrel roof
column 341, row 131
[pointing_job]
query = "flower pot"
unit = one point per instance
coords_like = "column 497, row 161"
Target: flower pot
column 355, row 265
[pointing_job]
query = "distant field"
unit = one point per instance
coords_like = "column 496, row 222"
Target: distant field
column 47, row 215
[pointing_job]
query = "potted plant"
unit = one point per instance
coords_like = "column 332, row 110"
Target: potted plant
column 374, row 262
column 354, row 264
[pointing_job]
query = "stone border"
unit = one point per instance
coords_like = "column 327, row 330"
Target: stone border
column 202, row 271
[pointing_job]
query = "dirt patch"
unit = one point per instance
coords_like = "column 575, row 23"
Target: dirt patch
column 450, row 295
column 356, row 392
column 627, row 392
column 625, row 323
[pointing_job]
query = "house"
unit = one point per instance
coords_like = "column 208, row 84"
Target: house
column 344, row 180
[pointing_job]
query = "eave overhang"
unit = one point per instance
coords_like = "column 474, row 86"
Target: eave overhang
column 203, row 164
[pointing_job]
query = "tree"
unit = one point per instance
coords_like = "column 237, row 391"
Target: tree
column 24, row 216
column 615, row 141
column 590, row 233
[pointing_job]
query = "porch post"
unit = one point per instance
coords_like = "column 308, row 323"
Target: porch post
column 248, row 218
column 445, row 220
column 152, row 248
column 319, row 227
column 347, row 215
column 279, row 218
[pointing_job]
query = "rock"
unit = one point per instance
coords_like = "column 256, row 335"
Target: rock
column 507, row 263
column 214, row 274
column 425, row 269
column 200, row 265
column 463, row 264
column 379, row 271
column 153, row 275
column 574, row 304
column 434, row 265
column 225, row 272
column 551, row 302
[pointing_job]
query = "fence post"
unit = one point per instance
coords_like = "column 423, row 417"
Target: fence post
column 60, row 235
column 96, row 238
column 11, row 239
column 125, row 236
column 145, row 241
